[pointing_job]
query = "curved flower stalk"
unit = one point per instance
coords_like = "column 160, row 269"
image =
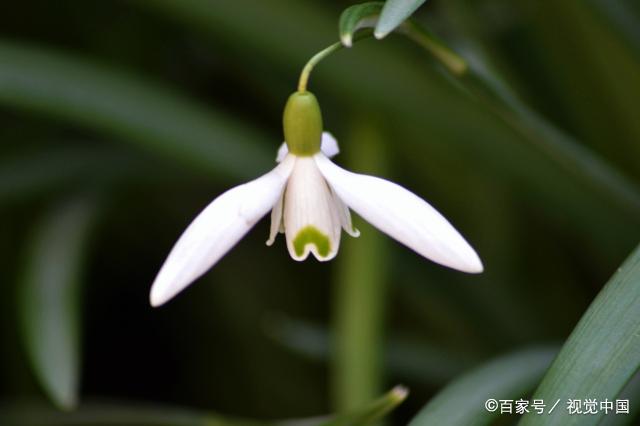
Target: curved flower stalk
column 309, row 198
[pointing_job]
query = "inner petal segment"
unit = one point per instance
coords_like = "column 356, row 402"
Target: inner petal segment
column 311, row 216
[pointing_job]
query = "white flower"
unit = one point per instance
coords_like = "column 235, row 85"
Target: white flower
column 309, row 198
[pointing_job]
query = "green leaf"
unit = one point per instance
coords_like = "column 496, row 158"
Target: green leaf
column 367, row 15
column 358, row 16
column 601, row 354
column 49, row 306
column 508, row 377
column 141, row 415
column 394, row 13
column 372, row 412
column 130, row 108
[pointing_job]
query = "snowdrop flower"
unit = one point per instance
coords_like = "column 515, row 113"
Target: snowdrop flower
column 309, row 198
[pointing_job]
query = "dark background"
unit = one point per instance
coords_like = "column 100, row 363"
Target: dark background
column 549, row 240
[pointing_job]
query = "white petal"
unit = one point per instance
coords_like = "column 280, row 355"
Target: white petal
column 282, row 152
column 276, row 220
column 345, row 216
column 401, row 215
column 217, row 229
column 311, row 218
column 328, row 146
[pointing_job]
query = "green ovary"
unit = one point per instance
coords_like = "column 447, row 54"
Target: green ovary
column 311, row 235
column 302, row 121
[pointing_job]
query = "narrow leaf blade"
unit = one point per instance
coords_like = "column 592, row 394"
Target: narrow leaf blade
column 139, row 414
column 601, row 354
column 373, row 412
column 131, row 109
column 394, row 13
column 462, row 403
column 49, row 308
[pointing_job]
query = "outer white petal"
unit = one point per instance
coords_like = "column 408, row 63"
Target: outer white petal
column 401, row 215
column 311, row 218
column 276, row 220
column 328, row 146
column 217, row 229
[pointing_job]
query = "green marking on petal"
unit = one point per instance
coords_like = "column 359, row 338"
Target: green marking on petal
column 311, row 235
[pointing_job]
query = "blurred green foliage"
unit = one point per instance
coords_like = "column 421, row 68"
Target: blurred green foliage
column 156, row 107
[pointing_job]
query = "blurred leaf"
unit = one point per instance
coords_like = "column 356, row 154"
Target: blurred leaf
column 453, row 62
column 139, row 415
column 49, row 293
column 562, row 40
column 162, row 121
column 353, row 18
column 601, row 354
column 49, row 169
column 406, row 357
column 622, row 17
column 394, row 13
column 112, row 414
column 482, row 82
column 235, row 21
column 26, row 175
column 372, row 412
column 298, row 336
column 508, row 377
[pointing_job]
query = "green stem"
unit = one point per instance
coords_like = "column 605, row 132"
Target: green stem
column 360, row 298
column 306, row 71
column 315, row 59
